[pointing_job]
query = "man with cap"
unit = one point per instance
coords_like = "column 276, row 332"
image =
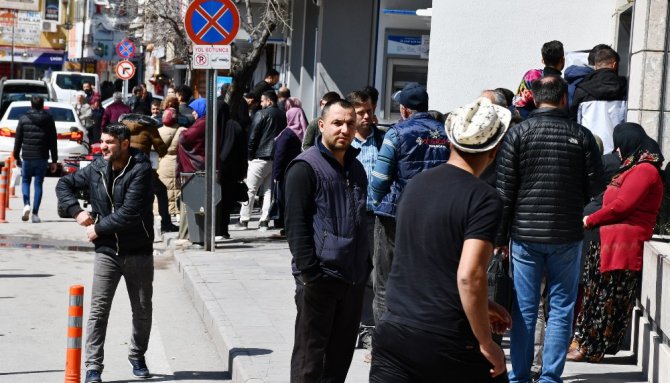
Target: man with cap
column 415, row 144
column 548, row 169
column 441, row 323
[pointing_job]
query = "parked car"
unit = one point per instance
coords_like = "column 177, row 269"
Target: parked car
column 72, row 137
column 67, row 84
column 20, row 90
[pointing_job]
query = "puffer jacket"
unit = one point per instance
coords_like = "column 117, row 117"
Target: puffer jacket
column 36, row 136
column 548, row 168
column 121, row 205
column 265, row 127
column 144, row 133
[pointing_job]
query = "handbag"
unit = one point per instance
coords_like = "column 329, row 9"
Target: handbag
column 274, row 213
column 240, row 191
column 499, row 282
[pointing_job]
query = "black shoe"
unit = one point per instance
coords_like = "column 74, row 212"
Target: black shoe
column 242, row 225
column 169, row 229
column 140, row 369
column 93, row 376
column 263, row 225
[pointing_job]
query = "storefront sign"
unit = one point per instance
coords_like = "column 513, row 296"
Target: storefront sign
column 51, row 10
column 26, row 5
column 32, row 56
column 404, row 45
column 50, row 59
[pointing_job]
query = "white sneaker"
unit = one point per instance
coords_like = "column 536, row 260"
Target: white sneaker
column 36, row 218
column 26, row 213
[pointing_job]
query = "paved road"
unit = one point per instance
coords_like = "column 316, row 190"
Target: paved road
column 38, row 262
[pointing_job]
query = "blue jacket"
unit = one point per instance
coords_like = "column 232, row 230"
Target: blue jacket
column 410, row 147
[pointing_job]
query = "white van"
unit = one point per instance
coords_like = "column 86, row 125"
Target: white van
column 66, row 84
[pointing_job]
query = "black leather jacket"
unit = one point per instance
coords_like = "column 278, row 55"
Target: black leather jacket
column 122, row 205
column 266, row 125
column 548, row 168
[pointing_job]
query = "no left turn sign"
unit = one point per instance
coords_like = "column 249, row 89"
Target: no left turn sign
column 125, row 70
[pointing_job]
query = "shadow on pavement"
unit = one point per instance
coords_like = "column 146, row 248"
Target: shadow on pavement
column 29, row 372
column 608, row 377
column 180, row 375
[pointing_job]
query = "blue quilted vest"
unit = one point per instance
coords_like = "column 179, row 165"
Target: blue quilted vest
column 340, row 226
column 422, row 144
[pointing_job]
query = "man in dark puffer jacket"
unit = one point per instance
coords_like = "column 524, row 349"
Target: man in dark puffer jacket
column 548, row 168
column 36, row 136
column 121, row 227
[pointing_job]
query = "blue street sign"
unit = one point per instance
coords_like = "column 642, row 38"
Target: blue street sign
column 212, row 22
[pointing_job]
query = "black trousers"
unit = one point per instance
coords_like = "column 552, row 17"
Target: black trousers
column 402, row 354
column 160, row 191
column 326, row 326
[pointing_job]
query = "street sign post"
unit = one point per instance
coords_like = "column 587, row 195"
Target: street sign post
column 211, row 57
column 211, row 25
column 126, row 49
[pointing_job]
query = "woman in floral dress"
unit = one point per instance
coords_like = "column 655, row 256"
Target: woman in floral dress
column 613, row 266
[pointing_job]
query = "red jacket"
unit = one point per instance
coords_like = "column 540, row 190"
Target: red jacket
column 627, row 217
column 191, row 149
column 113, row 112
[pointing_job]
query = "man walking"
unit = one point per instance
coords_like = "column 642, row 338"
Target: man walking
column 415, row 144
column 35, row 138
column 325, row 227
column 548, row 168
column 120, row 225
column 266, row 125
column 437, row 326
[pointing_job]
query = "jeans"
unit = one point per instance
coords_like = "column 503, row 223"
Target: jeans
column 530, row 262
column 402, row 354
column 381, row 262
column 326, row 326
column 259, row 180
column 138, row 272
column 29, row 169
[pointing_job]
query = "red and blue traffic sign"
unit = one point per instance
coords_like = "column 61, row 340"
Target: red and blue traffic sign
column 212, row 22
column 125, row 49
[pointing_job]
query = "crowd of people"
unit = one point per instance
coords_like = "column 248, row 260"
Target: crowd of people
column 394, row 229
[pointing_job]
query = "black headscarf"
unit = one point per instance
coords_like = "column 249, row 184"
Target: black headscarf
column 635, row 146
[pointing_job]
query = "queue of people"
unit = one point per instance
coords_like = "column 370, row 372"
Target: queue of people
column 394, row 229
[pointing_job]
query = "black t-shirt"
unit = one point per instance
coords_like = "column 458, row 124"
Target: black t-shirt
column 440, row 208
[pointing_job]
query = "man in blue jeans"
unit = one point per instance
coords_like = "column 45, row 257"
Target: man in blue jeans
column 548, row 168
column 35, row 138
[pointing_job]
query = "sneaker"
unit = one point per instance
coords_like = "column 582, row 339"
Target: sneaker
column 242, row 225
column 26, row 213
column 263, row 225
column 36, row 218
column 140, row 369
column 222, row 237
column 93, row 376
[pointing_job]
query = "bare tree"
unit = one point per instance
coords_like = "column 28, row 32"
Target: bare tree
column 165, row 27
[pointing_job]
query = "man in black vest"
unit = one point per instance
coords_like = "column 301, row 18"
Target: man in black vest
column 326, row 230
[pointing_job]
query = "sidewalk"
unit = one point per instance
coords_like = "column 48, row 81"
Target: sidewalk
column 244, row 293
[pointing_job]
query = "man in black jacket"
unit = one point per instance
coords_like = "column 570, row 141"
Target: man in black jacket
column 265, row 127
column 326, row 230
column 548, row 168
column 36, row 136
column 121, row 228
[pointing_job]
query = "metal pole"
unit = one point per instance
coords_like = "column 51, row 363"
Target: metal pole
column 125, row 90
column 11, row 66
column 210, row 168
column 83, row 37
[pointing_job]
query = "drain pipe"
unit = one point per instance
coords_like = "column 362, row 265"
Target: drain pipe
column 664, row 77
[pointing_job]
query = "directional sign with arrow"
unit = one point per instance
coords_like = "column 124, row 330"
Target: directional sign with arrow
column 125, row 70
column 212, row 22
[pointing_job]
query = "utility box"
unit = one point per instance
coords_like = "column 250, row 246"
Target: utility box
column 193, row 192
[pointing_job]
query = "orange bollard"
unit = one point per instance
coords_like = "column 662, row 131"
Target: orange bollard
column 3, row 181
column 5, row 170
column 74, row 322
column 12, row 192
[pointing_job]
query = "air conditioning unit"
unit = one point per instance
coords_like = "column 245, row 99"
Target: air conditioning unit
column 49, row 26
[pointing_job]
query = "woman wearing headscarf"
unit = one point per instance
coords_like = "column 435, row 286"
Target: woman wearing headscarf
column 287, row 146
column 191, row 152
column 167, row 165
column 614, row 265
